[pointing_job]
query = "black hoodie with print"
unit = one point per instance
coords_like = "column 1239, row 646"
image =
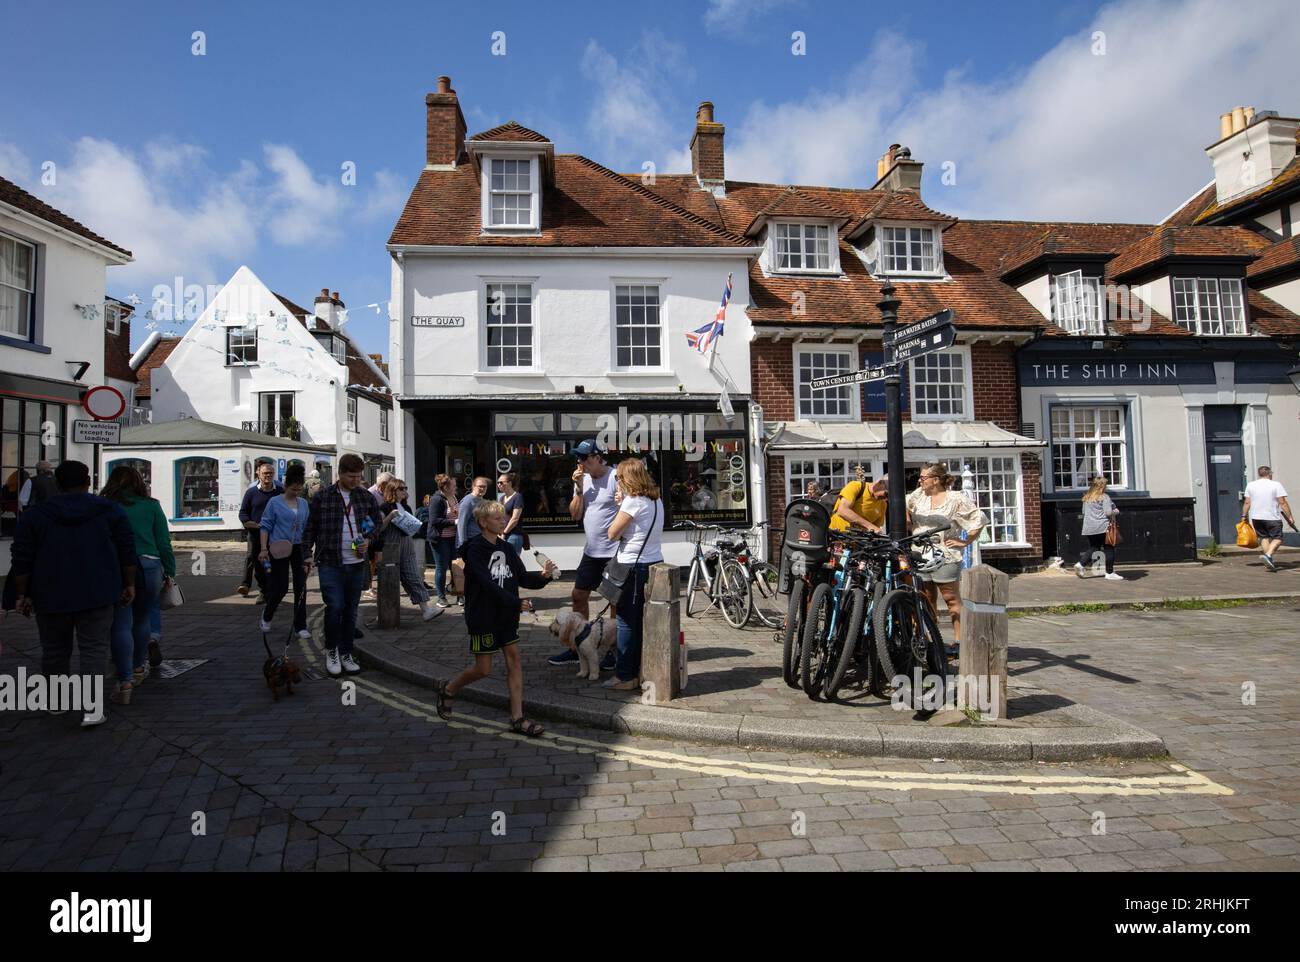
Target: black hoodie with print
column 493, row 576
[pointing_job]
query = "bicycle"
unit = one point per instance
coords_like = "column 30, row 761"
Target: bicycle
column 717, row 571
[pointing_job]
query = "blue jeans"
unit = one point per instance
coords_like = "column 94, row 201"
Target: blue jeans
column 155, row 617
column 130, row 632
column 441, row 548
column 517, row 540
column 341, row 586
column 631, row 617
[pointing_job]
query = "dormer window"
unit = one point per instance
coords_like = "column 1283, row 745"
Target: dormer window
column 1076, row 303
column 1209, row 305
column 909, row 250
column 510, row 193
column 335, row 345
column 800, row 247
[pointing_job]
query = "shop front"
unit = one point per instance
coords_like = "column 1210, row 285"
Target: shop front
column 701, row 459
column 1177, row 426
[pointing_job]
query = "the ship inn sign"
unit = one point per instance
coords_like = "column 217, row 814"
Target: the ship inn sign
column 437, row 320
column 1041, row 371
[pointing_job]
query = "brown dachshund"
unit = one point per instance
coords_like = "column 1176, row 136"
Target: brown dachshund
column 281, row 673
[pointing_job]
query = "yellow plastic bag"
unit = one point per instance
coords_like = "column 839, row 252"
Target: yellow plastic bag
column 1246, row 537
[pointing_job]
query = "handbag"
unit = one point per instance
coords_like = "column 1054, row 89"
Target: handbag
column 1113, row 537
column 614, row 578
column 171, row 597
column 1246, row 535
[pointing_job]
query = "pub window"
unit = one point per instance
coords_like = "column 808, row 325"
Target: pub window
column 1088, row 441
column 196, row 488
column 638, row 334
column 241, row 346
column 828, row 403
column 997, row 493
column 909, row 250
column 17, row 287
column 1076, row 303
column 509, row 325
column 1209, row 305
column 941, row 386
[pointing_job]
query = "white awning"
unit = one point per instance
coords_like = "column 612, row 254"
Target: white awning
column 830, row 436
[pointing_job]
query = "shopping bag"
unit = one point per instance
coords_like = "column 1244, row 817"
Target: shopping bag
column 171, row 597
column 1246, row 536
column 457, row 576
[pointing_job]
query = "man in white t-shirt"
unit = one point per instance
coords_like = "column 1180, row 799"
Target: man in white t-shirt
column 592, row 504
column 1265, row 506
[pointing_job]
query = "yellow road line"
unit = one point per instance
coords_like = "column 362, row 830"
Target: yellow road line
column 1182, row 782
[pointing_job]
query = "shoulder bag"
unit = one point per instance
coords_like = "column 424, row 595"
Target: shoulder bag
column 614, row 578
column 1113, row 536
column 171, row 597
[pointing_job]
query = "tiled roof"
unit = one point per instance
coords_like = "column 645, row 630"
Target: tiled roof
column 1282, row 256
column 1065, row 240
column 587, row 206
column 793, row 203
column 1186, row 215
column 511, row 131
column 359, row 372
column 1271, row 318
column 1289, row 177
column 15, row 196
column 143, row 374
column 1169, row 241
column 296, row 310
column 901, row 205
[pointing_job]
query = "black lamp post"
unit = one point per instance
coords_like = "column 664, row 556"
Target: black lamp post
column 897, row 516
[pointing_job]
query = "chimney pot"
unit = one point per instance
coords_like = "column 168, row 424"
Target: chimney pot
column 444, row 84
column 704, row 115
column 1250, row 116
column 1225, row 125
column 708, row 161
column 1238, row 119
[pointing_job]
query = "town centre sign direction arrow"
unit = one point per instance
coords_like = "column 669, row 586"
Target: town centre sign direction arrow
column 855, row 377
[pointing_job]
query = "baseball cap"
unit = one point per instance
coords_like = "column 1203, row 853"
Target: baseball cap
column 585, row 449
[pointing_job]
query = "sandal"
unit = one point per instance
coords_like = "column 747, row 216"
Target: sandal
column 522, row 726
column 444, row 702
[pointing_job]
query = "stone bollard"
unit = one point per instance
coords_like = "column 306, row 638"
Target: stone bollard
column 983, row 663
column 660, row 648
column 389, row 592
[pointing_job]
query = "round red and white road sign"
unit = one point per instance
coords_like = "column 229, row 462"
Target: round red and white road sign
column 104, row 403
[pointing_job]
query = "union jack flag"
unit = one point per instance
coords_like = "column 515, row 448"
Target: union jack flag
column 701, row 338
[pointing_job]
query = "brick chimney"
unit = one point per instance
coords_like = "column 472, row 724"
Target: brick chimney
column 707, row 163
column 444, row 132
column 327, row 310
column 896, row 170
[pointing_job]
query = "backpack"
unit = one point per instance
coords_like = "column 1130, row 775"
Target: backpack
column 806, row 536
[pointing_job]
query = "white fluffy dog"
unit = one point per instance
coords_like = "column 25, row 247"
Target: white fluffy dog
column 568, row 624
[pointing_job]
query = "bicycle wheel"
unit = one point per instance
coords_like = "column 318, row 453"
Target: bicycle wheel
column 817, row 624
column 877, row 677
column 893, row 625
column 768, row 606
column 733, row 592
column 794, row 617
column 850, row 635
column 693, row 605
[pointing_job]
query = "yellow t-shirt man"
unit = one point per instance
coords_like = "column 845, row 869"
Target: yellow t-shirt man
column 858, row 495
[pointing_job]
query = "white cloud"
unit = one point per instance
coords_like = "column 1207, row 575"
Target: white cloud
column 731, row 15
column 1073, row 136
column 14, row 165
column 303, row 208
column 629, row 118
column 386, row 198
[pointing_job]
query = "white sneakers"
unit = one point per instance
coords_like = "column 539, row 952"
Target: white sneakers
column 332, row 663
column 264, row 625
column 350, row 664
column 1114, row 577
column 428, row 612
column 305, row 635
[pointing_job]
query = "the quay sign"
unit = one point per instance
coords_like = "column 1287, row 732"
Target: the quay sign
column 1056, row 372
column 436, row 320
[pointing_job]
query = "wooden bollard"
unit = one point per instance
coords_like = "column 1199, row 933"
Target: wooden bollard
column 660, row 648
column 390, row 592
column 983, row 662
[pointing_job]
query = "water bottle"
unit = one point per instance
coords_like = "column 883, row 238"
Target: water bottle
column 541, row 559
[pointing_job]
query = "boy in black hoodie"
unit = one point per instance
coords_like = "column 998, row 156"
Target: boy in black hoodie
column 493, row 576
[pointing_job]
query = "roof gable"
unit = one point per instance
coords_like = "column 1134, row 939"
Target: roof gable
column 15, row 196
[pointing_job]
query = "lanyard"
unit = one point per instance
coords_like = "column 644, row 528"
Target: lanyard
column 347, row 516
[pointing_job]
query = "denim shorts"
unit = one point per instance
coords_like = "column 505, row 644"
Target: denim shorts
column 945, row 574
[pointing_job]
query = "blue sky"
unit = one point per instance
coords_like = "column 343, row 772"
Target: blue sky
column 202, row 163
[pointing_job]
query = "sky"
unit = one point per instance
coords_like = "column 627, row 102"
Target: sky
column 286, row 136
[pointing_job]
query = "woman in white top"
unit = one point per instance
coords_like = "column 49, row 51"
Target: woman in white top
column 930, row 505
column 638, row 528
